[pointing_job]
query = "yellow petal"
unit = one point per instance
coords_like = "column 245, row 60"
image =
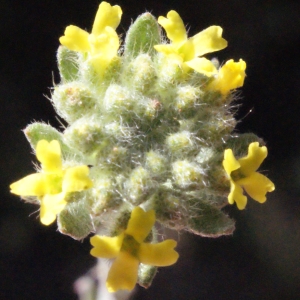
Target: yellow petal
column 208, row 40
column 236, row 195
column 106, row 247
column 202, row 65
column 160, row 255
column 106, row 44
column 123, row 273
column 231, row 76
column 230, row 163
column 107, row 15
column 253, row 160
column 167, row 49
column 75, row 39
column 257, row 186
column 49, row 155
column 76, row 179
column 31, row 185
column 140, row 223
column 104, row 48
column 174, row 27
column 51, row 205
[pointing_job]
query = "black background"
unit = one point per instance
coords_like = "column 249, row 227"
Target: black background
column 261, row 260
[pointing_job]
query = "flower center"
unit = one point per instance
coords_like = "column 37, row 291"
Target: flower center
column 237, row 175
column 53, row 183
column 130, row 245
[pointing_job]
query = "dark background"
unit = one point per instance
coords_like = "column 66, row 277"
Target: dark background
column 261, row 260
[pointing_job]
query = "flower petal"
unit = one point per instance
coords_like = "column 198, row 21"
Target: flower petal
column 208, row 40
column 31, row 185
column 76, row 179
column 202, row 65
column 51, row 205
column 231, row 76
column 253, row 160
column 123, row 273
column 174, row 27
column 107, row 43
column 236, row 195
column 167, row 49
column 105, row 246
column 107, row 15
column 75, row 39
column 230, row 163
column 257, row 186
column 140, row 223
column 49, row 155
column 160, row 255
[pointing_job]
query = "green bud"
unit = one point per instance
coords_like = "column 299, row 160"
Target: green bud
column 118, row 100
column 87, row 136
column 187, row 174
column 155, row 162
column 141, row 73
column 204, row 155
column 180, row 143
column 187, row 99
column 73, row 100
column 138, row 185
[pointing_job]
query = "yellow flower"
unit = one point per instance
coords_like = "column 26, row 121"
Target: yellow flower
column 53, row 182
column 129, row 250
column 102, row 43
column 187, row 51
column 230, row 76
column 242, row 174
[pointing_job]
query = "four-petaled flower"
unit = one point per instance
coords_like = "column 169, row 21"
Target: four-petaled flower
column 129, row 250
column 102, row 43
column 242, row 174
column 53, row 182
column 187, row 51
column 229, row 77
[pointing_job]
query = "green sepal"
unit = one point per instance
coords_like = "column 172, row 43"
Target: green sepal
column 68, row 65
column 209, row 221
column 75, row 220
column 146, row 275
column 239, row 143
column 142, row 35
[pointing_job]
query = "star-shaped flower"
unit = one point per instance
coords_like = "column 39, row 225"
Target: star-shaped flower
column 188, row 51
column 129, row 250
column 242, row 175
column 53, row 182
column 102, row 43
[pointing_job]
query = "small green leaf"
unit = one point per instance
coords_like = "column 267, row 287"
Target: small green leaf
column 67, row 64
column 209, row 221
column 75, row 220
column 143, row 34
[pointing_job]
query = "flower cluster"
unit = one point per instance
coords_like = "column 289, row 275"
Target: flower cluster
column 146, row 130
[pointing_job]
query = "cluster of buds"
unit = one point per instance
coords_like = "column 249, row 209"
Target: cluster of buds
column 149, row 138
